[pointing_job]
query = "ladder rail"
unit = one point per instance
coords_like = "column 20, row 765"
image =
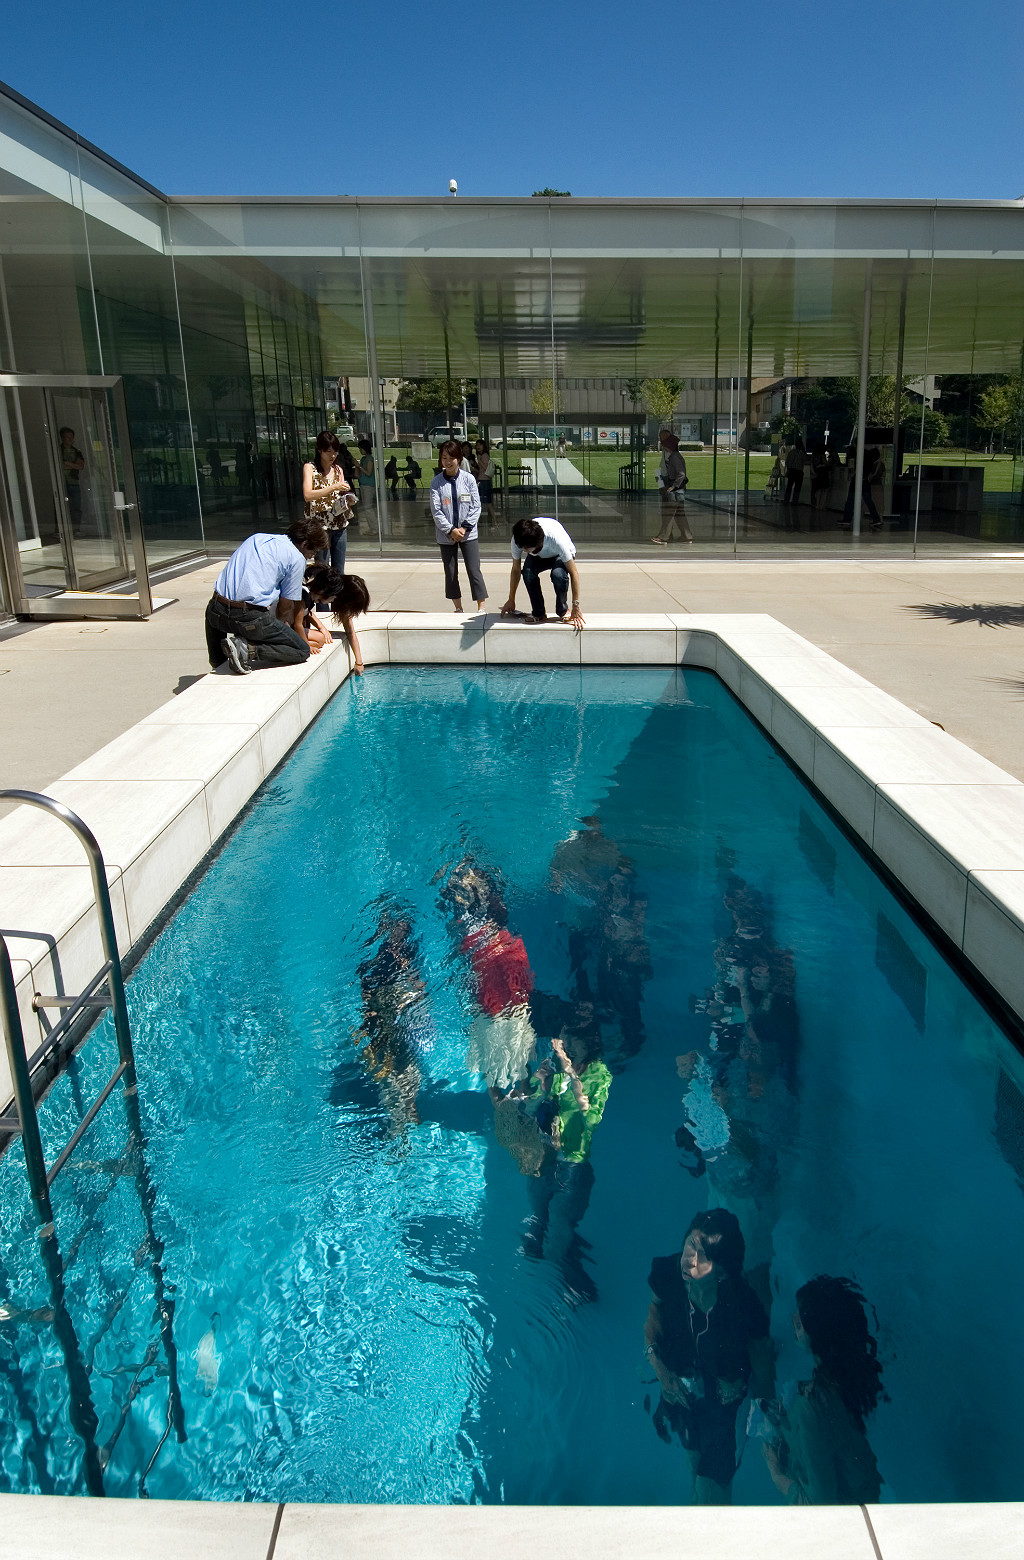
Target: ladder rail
column 81, row 1406
column 101, row 895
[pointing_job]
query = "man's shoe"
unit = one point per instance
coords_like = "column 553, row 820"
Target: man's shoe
column 535, row 619
column 236, row 652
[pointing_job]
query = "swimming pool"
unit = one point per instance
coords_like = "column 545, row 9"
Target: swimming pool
column 360, row 1310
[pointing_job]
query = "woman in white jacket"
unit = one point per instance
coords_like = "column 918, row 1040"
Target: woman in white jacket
column 455, row 506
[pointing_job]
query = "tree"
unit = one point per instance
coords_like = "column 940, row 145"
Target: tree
column 430, row 397
column 1001, row 410
column 542, row 398
column 661, row 397
column 547, row 190
column 936, row 428
column 827, row 403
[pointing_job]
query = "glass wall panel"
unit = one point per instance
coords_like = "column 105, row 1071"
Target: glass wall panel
column 137, row 317
column 48, row 325
column 836, row 316
column 647, row 339
column 974, row 463
column 88, row 288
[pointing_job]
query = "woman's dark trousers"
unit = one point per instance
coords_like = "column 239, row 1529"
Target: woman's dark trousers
column 470, row 549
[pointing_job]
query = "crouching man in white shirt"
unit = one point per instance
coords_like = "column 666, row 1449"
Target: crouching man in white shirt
column 537, row 546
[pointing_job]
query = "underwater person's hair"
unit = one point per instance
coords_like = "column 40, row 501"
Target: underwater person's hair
column 833, row 1315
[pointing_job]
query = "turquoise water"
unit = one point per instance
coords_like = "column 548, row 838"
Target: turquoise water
column 355, row 1303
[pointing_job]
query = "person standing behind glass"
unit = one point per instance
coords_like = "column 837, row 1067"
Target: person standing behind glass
column 796, row 460
column 367, row 476
column 324, row 490
column 73, row 464
column 455, row 507
column 673, row 479
column 485, row 477
column 819, row 1454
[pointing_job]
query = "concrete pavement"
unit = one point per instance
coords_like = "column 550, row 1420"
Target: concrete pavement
column 945, row 637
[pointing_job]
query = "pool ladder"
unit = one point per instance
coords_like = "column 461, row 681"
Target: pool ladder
column 24, row 1069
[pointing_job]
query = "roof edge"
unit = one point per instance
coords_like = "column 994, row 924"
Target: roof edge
column 79, row 140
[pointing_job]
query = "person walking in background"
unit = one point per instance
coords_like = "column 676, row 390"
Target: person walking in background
column 673, row 481
column 796, row 460
column 367, row 475
column 821, row 476
column 455, row 508
column 250, row 618
column 484, row 474
column 537, row 546
column 325, row 492
column 819, row 1454
column 872, row 462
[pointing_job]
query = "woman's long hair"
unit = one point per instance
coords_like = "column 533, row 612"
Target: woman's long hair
column 832, row 1314
column 352, row 598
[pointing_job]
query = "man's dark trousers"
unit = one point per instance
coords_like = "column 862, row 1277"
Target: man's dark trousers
column 533, row 568
column 272, row 643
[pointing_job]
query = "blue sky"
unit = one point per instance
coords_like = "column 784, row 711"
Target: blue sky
column 881, row 97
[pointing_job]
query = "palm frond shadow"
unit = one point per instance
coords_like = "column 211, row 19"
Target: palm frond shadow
column 1011, row 685
column 987, row 614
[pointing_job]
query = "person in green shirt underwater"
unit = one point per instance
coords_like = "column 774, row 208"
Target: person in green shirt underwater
column 568, row 1094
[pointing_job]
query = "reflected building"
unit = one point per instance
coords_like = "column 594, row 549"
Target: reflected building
column 195, row 347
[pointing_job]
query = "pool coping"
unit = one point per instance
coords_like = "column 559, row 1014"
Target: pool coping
column 70, row 1527
column 946, row 824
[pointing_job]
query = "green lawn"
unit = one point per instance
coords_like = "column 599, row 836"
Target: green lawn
column 601, row 468
column 1002, row 473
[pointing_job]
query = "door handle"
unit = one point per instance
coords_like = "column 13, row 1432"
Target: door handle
column 119, row 503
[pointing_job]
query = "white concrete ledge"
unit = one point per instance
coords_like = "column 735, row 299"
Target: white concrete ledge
column 55, row 1527
column 947, row 823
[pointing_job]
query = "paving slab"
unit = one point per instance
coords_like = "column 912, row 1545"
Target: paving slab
column 945, row 636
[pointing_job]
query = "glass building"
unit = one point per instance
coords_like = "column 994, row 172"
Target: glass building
column 182, row 354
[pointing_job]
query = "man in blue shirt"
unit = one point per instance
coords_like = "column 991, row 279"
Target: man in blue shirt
column 257, row 597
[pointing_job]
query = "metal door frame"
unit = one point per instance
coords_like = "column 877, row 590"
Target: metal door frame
column 120, row 569
column 121, row 606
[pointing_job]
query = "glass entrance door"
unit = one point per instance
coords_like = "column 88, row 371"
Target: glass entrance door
column 84, row 480
column 61, row 467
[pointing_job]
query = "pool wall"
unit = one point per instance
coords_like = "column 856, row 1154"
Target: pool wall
column 946, row 823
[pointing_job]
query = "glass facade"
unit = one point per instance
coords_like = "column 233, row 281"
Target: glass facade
column 566, row 333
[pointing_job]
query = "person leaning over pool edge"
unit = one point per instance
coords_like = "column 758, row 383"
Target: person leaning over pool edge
column 257, row 597
column 547, row 545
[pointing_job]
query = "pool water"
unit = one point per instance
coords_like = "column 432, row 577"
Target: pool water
column 361, row 1300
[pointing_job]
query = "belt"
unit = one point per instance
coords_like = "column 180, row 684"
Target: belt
column 240, row 606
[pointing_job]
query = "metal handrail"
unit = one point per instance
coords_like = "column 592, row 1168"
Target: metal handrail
column 81, row 1408
column 39, row 1178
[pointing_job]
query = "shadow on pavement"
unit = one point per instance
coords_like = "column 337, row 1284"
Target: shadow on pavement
column 985, row 614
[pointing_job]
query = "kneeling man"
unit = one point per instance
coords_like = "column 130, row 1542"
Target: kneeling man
column 539, row 545
column 250, row 618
